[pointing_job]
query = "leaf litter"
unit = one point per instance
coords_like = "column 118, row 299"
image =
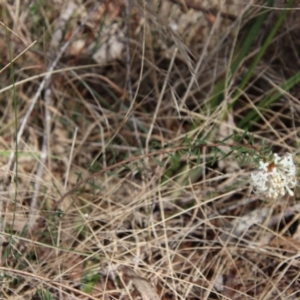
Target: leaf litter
column 195, row 238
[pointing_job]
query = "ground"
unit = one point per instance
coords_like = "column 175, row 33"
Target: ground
column 129, row 132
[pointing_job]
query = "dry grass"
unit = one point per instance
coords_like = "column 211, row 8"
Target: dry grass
column 104, row 178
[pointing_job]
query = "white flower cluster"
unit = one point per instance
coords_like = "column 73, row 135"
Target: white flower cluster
column 274, row 179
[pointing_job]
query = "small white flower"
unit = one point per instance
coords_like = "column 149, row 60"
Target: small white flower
column 274, row 179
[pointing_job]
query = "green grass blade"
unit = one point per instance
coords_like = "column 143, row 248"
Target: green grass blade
column 271, row 97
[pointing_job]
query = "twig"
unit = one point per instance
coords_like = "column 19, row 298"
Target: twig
column 45, row 85
column 56, row 39
column 45, row 80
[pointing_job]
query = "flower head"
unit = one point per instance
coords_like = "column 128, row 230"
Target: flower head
column 275, row 178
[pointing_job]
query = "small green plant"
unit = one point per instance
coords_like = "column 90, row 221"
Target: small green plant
column 44, row 294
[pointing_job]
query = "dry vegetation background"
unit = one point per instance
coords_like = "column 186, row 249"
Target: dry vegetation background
column 104, row 195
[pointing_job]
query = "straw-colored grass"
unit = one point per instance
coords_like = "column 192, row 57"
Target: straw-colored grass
column 116, row 121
